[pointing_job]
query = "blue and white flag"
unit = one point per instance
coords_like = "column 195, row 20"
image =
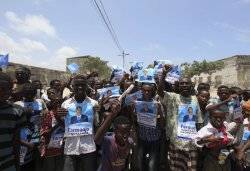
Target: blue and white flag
column 73, row 68
column 4, row 60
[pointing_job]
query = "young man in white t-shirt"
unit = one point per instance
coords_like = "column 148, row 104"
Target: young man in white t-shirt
column 80, row 148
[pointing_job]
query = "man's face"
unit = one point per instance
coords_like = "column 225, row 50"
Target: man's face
column 147, row 91
column 190, row 111
column 185, row 86
column 145, row 107
column 217, row 118
column 203, row 97
column 79, row 87
column 21, row 75
column 37, row 84
column 223, row 94
column 122, row 133
column 56, row 85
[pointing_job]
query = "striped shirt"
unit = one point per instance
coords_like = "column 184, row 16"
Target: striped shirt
column 11, row 116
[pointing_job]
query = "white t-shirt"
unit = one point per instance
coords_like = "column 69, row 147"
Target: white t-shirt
column 81, row 144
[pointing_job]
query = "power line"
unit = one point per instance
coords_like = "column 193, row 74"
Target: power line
column 108, row 25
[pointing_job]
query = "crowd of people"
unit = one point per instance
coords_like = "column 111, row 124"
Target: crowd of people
column 146, row 126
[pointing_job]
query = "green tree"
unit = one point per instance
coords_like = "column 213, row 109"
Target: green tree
column 196, row 68
column 91, row 64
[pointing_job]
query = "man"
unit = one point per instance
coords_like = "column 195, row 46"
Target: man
column 80, row 148
column 11, row 117
column 182, row 151
column 22, row 77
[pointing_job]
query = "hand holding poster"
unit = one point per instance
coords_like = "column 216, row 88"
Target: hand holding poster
column 146, row 113
column 79, row 120
column 187, row 121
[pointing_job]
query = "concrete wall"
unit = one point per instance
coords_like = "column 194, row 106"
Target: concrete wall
column 43, row 74
column 235, row 73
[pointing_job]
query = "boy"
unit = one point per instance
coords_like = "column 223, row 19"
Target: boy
column 115, row 148
column 37, row 109
column 80, row 148
column 11, row 117
column 216, row 136
column 52, row 132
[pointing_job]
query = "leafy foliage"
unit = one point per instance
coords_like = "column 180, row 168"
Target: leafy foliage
column 91, row 64
column 196, row 68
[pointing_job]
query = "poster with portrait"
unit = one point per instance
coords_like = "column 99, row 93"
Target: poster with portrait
column 146, row 113
column 174, row 74
column 146, row 76
column 56, row 138
column 117, row 74
column 246, row 134
column 158, row 66
column 131, row 98
column 187, row 117
column 36, row 108
column 135, row 68
column 109, row 92
column 79, row 120
column 237, row 110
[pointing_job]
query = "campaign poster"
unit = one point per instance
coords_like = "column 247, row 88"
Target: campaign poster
column 117, row 74
column 187, row 117
column 146, row 76
column 146, row 113
column 131, row 98
column 79, row 120
column 173, row 75
column 237, row 110
column 36, row 109
column 135, row 68
column 246, row 134
column 56, row 138
column 109, row 92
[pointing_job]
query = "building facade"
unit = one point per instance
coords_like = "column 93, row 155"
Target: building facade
column 236, row 72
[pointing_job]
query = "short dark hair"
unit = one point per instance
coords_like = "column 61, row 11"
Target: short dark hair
column 121, row 120
column 25, row 69
column 30, row 87
column 5, row 78
column 235, row 90
column 203, row 86
column 53, row 82
column 223, row 87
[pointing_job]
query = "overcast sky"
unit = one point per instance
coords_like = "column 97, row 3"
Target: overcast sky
column 45, row 32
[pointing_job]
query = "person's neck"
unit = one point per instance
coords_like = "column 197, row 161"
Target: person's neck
column 22, row 81
column 185, row 95
column 80, row 98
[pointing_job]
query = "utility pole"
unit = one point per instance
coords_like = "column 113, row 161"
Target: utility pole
column 123, row 58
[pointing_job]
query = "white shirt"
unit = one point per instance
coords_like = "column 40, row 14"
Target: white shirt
column 209, row 130
column 79, row 144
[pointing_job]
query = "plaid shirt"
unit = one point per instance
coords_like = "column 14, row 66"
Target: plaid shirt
column 45, row 137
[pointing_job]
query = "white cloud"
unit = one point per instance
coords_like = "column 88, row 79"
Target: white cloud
column 30, row 24
column 20, row 51
column 58, row 61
